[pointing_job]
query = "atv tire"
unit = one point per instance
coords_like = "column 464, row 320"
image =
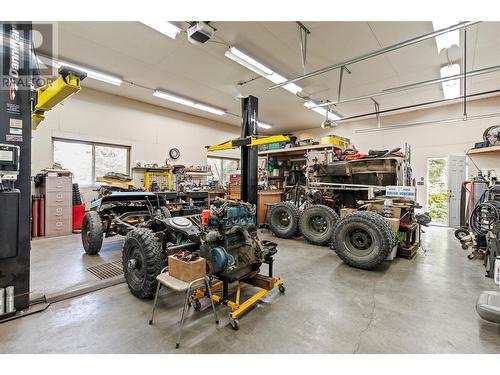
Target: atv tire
column 317, row 224
column 143, row 259
column 284, row 220
column 92, row 232
column 363, row 239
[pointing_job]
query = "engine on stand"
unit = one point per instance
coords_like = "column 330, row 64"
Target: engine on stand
column 229, row 241
column 225, row 236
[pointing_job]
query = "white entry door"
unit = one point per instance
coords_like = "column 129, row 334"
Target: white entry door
column 456, row 175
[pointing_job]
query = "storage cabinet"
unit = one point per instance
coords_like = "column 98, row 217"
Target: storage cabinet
column 58, row 191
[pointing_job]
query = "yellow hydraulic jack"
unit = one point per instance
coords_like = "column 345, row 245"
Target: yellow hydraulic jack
column 265, row 283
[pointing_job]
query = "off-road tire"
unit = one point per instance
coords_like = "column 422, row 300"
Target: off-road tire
column 277, row 226
column 92, row 232
column 308, row 224
column 142, row 246
column 363, row 239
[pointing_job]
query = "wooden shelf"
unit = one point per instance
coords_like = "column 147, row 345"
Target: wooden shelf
column 198, row 173
column 484, row 150
column 151, row 169
column 296, row 150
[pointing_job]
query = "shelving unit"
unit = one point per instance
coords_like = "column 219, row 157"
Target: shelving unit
column 484, row 150
column 294, row 151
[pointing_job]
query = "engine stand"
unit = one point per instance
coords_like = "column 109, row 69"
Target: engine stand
column 265, row 283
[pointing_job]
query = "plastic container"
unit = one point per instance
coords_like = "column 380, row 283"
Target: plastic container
column 78, row 214
column 205, row 216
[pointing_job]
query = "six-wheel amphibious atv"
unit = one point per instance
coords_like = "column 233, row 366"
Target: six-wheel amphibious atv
column 118, row 213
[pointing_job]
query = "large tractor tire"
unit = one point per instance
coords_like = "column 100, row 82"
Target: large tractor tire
column 363, row 239
column 143, row 259
column 317, row 224
column 92, row 232
column 284, row 219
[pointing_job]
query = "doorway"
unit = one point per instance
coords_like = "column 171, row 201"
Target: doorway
column 445, row 177
column 437, row 190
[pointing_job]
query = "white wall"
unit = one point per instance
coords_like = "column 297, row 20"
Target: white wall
column 427, row 141
column 151, row 131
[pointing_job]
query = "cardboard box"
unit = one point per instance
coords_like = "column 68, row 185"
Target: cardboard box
column 396, row 211
column 347, row 211
column 336, row 141
column 186, row 271
column 394, row 223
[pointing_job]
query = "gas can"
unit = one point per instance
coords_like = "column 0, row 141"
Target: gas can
column 497, row 271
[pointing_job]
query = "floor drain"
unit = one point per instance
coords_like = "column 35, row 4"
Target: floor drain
column 107, row 270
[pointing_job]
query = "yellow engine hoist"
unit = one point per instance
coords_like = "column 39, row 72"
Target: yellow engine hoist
column 51, row 94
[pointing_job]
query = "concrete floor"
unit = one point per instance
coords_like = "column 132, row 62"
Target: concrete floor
column 423, row 305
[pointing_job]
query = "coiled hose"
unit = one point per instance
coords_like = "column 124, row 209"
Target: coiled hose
column 485, row 216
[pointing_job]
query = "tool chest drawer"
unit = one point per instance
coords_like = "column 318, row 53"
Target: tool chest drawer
column 58, row 212
column 57, row 227
column 58, row 183
column 59, row 199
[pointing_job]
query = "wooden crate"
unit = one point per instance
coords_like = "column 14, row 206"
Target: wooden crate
column 186, row 271
column 407, row 252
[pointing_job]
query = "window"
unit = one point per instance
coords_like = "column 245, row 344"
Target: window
column 87, row 160
column 222, row 168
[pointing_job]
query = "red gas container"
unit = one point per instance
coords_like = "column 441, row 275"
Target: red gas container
column 78, row 214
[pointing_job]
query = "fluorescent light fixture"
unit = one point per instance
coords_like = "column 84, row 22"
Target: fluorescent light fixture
column 292, row 87
column 187, row 102
column 207, row 108
column 173, row 98
column 249, row 62
column 263, row 125
column 242, row 58
column 451, row 88
column 448, row 39
column 94, row 74
column 164, row 27
column 321, row 110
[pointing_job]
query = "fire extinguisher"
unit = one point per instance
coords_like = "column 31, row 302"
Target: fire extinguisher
column 41, row 215
column 34, row 216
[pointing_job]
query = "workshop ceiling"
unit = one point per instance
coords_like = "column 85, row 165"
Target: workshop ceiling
column 148, row 60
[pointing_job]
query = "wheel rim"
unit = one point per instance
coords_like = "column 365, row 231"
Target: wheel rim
column 282, row 219
column 359, row 242
column 135, row 266
column 318, row 224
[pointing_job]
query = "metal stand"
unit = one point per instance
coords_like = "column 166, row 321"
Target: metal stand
column 265, row 283
column 179, row 285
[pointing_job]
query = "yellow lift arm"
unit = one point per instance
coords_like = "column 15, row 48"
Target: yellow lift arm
column 251, row 141
column 51, row 94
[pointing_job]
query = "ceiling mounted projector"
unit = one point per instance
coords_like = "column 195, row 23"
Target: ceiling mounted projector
column 200, row 32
